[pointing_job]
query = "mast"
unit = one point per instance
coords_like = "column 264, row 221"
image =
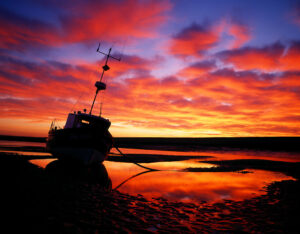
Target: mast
column 99, row 84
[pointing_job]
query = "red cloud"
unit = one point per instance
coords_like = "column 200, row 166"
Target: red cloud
column 290, row 61
column 19, row 32
column 84, row 23
column 25, row 85
column 269, row 58
column 214, row 101
column 266, row 58
column 240, row 33
column 244, row 98
column 130, row 66
column 290, row 79
column 114, row 19
column 197, row 69
column 201, row 99
column 194, row 40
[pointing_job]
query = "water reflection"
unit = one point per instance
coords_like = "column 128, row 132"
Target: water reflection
column 77, row 173
column 4, row 143
column 170, row 182
column 192, row 186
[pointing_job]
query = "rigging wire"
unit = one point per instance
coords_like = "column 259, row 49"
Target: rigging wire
column 79, row 98
column 102, row 95
column 72, row 109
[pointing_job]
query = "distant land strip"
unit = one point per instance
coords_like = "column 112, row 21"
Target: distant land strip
column 22, row 138
column 290, row 144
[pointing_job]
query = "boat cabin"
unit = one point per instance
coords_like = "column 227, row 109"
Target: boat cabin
column 82, row 120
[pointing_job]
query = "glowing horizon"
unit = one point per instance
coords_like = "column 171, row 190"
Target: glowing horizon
column 187, row 69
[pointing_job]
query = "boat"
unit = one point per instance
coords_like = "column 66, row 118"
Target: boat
column 85, row 137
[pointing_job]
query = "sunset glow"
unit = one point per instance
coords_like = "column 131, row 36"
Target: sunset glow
column 188, row 68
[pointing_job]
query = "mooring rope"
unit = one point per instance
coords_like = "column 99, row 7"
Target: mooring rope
column 124, row 155
column 125, row 181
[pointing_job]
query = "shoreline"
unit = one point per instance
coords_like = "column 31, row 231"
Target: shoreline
column 61, row 199
column 286, row 143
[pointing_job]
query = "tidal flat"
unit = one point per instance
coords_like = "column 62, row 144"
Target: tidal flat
column 258, row 194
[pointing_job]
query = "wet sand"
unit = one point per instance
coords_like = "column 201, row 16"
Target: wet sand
column 72, row 199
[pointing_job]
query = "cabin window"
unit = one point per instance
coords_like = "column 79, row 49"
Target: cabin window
column 85, row 121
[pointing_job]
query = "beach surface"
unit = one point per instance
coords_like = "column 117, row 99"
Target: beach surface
column 64, row 198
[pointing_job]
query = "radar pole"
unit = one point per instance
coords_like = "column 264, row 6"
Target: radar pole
column 99, row 84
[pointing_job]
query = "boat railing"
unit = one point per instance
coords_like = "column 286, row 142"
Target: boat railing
column 54, row 125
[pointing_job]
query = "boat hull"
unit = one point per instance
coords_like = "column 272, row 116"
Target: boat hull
column 84, row 145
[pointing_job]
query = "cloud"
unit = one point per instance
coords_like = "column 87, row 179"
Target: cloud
column 193, row 40
column 197, row 69
column 204, row 98
column 240, row 33
column 132, row 18
column 239, row 91
column 275, row 57
column 131, row 66
column 198, row 39
column 83, row 22
column 234, row 34
column 289, row 61
column 19, row 32
column 247, row 58
column 59, row 83
column 215, row 101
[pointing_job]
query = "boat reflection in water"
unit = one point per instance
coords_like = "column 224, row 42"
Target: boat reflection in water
column 78, row 173
column 185, row 186
column 171, row 180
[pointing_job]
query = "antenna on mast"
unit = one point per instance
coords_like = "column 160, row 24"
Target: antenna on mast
column 98, row 47
column 101, row 108
column 99, row 84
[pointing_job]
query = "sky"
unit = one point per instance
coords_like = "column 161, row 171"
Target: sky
column 189, row 68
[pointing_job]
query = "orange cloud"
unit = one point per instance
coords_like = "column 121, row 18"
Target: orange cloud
column 201, row 100
column 211, row 104
column 220, row 101
column 51, row 87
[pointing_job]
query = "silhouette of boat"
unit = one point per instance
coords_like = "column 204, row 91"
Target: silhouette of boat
column 85, row 137
column 75, row 173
